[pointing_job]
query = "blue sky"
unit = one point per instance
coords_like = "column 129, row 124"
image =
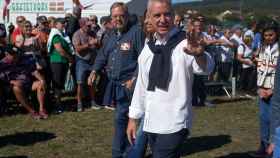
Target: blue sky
column 180, row 1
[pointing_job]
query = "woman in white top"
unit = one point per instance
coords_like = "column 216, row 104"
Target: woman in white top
column 245, row 56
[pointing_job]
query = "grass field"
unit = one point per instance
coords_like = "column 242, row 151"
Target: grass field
column 228, row 130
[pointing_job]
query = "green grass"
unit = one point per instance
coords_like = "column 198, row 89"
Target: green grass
column 228, row 130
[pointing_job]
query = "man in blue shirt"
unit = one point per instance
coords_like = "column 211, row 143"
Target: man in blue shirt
column 119, row 58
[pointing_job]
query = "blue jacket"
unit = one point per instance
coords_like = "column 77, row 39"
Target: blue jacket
column 120, row 53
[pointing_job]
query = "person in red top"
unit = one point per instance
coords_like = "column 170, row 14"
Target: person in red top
column 18, row 30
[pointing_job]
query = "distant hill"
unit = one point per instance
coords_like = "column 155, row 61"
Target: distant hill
column 271, row 7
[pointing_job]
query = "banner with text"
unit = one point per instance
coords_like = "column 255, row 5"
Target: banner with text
column 37, row 6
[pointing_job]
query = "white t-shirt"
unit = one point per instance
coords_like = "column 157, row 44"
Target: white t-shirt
column 237, row 39
column 247, row 53
column 225, row 51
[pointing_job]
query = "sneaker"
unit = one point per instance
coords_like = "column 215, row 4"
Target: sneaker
column 110, row 107
column 96, row 107
column 43, row 115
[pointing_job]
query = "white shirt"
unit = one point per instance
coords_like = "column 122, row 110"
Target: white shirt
column 246, row 52
column 166, row 111
column 237, row 39
column 226, row 51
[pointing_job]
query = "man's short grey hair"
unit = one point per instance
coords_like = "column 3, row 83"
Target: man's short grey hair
column 150, row 3
column 119, row 4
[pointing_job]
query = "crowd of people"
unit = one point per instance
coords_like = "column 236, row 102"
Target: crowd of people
column 144, row 68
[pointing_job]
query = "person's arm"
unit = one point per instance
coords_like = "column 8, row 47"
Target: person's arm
column 210, row 42
column 62, row 52
column 79, row 47
column 235, row 43
column 244, row 61
column 99, row 63
column 226, row 43
column 137, row 107
column 240, row 56
column 203, row 65
column 203, row 62
column 59, row 48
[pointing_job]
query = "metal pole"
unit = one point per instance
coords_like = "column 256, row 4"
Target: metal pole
column 233, row 87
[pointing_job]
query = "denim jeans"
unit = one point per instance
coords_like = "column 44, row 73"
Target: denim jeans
column 121, row 145
column 275, row 116
column 139, row 148
column 264, row 116
column 82, row 70
column 167, row 145
column 275, row 103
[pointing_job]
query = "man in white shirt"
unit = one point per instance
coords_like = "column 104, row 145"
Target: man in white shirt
column 163, row 89
column 237, row 35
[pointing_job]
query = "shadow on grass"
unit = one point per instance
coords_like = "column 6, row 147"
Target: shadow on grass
column 204, row 143
column 15, row 157
column 25, row 139
column 236, row 155
column 228, row 100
